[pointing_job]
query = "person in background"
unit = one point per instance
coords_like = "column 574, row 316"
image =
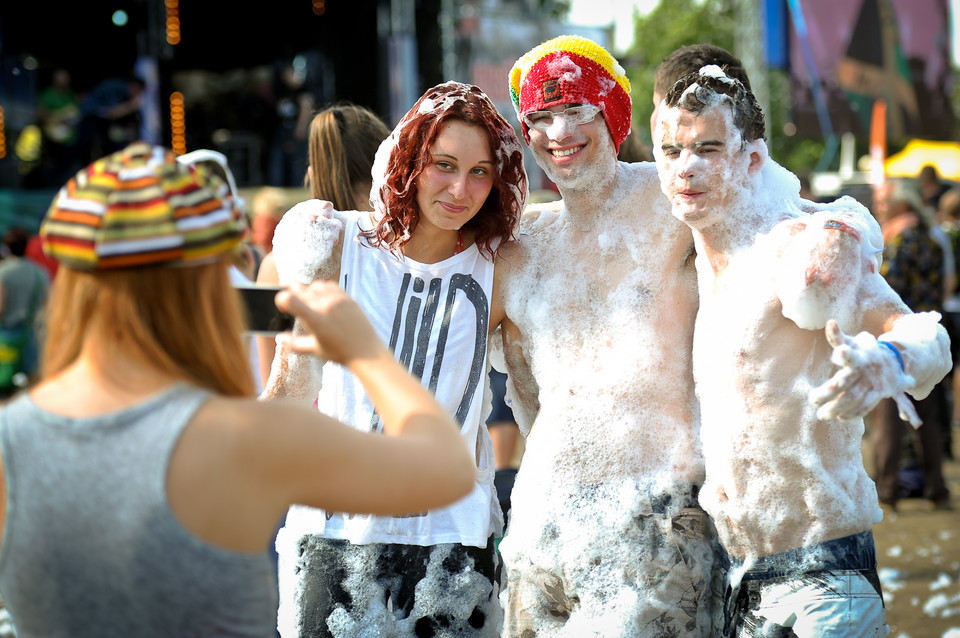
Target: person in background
column 932, row 188
column 448, row 189
column 143, row 479
column 24, row 287
column 35, row 254
column 948, row 215
column 633, row 150
column 913, row 265
column 780, row 290
column 58, row 109
column 58, row 114
column 294, row 102
column 342, row 144
column 109, row 116
column 806, row 188
column 505, row 434
column 269, row 204
column 691, row 58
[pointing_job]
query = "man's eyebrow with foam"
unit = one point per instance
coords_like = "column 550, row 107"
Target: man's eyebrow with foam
column 697, row 146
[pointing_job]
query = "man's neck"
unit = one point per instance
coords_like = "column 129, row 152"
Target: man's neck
column 735, row 229
column 585, row 202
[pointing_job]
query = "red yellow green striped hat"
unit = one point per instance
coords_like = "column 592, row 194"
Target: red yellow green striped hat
column 572, row 70
column 140, row 207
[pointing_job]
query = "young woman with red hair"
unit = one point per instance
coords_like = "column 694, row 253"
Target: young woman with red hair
column 448, row 189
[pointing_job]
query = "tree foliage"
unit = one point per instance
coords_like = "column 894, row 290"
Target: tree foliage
column 675, row 23
column 672, row 24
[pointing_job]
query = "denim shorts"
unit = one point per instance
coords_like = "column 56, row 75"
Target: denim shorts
column 825, row 590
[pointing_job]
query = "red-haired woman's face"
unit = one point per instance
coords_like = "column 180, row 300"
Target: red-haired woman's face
column 458, row 176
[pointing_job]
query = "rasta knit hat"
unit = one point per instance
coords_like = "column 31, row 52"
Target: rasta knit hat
column 140, row 207
column 572, row 70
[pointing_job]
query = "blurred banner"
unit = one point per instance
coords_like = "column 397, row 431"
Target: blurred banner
column 918, row 153
column 864, row 50
column 878, row 142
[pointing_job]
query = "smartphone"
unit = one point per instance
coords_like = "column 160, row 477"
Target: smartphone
column 263, row 316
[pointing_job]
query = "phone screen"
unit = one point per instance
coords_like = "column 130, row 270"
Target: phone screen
column 262, row 313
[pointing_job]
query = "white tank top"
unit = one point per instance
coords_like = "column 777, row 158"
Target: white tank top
column 435, row 318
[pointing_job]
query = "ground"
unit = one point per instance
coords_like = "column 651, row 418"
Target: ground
column 918, row 551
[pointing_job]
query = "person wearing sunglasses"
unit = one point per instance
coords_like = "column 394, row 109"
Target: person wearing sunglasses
column 605, row 536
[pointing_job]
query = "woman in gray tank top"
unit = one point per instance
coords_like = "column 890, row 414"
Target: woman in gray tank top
column 142, row 481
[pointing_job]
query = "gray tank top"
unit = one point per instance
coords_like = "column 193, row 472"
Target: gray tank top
column 90, row 545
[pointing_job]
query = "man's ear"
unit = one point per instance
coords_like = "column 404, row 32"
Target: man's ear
column 757, row 158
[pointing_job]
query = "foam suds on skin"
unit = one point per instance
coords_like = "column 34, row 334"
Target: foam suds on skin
column 914, row 330
column 305, row 249
column 590, row 177
column 607, row 320
column 754, row 394
column 777, row 476
column 828, row 287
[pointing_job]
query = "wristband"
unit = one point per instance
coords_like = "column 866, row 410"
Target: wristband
column 892, row 348
column 836, row 224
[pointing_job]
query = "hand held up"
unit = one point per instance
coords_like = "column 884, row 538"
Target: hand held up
column 339, row 329
column 869, row 371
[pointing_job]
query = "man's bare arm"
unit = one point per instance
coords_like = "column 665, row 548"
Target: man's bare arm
column 522, row 390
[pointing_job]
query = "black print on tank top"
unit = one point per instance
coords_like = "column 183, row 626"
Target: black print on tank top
column 412, row 329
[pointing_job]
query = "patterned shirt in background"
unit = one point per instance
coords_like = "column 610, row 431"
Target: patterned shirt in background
column 913, row 266
column 953, row 235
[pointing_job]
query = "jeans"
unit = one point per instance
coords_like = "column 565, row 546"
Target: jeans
column 825, row 590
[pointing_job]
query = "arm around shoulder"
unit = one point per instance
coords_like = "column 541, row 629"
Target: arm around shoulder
column 307, row 247
column 308, row 242
column 286, row 374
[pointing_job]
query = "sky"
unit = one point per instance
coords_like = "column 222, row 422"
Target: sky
column 618, row 12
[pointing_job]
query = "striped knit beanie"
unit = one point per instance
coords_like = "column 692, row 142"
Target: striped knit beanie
column 572, row 70
column 140, row 207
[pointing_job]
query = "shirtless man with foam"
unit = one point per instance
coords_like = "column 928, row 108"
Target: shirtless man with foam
column 780, row 291
column 605, row 536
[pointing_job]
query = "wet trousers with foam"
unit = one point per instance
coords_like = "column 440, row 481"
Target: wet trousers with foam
column 828, row 590
column 654, row 579
column 396, row 591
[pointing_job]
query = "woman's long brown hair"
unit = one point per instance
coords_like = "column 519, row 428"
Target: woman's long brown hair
column 186, row 322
